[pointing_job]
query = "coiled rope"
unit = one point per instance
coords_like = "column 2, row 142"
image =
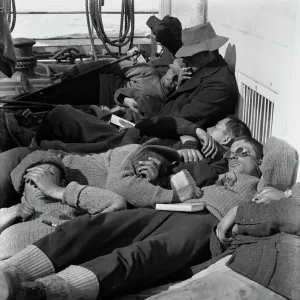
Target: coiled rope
column 25, row 62
column 10, row 6
column 70, row 53
column 127, row 23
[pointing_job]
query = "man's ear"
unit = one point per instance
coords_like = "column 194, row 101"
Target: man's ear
column 226, row 141
column 63, row 183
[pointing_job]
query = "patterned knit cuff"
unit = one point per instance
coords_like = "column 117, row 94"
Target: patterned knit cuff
column 72, row 193
column 31, row 263
column 191, row 145
column 83, row 283
column 191, row 130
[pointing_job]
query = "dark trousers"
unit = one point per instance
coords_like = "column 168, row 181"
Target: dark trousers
column 81, row 132
column 8, row 161
column 128, row 250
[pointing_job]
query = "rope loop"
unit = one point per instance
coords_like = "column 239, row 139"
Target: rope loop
column 69, row 53
column 127, row 23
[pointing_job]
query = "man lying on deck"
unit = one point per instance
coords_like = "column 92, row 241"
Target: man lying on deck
column 100, row 137
column 255, row 247
column 262, row 261
column 131, row 244
column 132, row 175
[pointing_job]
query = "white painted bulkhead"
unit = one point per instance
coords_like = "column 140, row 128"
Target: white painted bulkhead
column 264, row 48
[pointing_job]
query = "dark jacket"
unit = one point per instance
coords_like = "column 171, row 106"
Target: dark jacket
column 267, row 249
column 210, row 95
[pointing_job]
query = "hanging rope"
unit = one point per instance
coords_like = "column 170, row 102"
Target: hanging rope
column 8, row 5
column 94, row 17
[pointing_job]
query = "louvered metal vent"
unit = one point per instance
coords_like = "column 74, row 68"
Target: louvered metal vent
column 257, row 113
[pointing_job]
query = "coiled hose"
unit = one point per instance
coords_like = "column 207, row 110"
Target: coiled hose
column 127, row 22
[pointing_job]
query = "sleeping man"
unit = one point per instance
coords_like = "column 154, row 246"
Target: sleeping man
column 74, row 185
column 131, row 244
column 93, row 140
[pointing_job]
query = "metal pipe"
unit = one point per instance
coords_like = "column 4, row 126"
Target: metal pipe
column 27, row 103
column 79, row 38
column 154, row 12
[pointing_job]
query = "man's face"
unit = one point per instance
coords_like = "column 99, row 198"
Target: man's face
column 32, row 193
column 218, row 132
column 243, row 164
column 196, row 61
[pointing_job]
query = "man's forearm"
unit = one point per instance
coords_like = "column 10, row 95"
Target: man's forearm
column 264, row 219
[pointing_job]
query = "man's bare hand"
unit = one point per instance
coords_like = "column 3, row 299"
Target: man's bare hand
column 149, row 168
column 21, row 211
column 190, row 155
column 189, row 192
column 184, row 74
column 132, row 104
column 268, row 194
column 43, row 179
column 225, row 225
column 209, row 145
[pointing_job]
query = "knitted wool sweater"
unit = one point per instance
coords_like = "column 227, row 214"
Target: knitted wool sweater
column 90, row 177
column 221, row 197
column 16, row 237
column 96, row 183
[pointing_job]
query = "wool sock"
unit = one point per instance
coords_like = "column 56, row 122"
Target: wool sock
column 73, row 283
column 50, row 287
column 30, row 264
column 9, row 283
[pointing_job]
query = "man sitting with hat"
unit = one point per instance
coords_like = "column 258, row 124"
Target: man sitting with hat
column 204, row 93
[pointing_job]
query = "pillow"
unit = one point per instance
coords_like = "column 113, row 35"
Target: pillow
column 279, row 165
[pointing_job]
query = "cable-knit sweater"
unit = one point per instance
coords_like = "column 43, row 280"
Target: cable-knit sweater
column 16, row 237
column 115, row 170
column 230, row 190
column 96, row 183
column 90, row 177
column 220, row 197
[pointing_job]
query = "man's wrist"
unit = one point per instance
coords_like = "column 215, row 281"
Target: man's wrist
column 58, row 193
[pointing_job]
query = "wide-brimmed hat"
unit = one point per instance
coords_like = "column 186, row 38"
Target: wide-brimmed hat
column 198, row 39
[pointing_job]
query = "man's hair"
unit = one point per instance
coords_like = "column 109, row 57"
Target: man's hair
column 257, row 147
column 237, row 129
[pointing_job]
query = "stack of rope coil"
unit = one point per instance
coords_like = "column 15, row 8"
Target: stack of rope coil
column 10, row 6
column 94, row 17
column 25, row 62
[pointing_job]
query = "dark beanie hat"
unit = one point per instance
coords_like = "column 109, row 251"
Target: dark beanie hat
column 31, row 160
column 168, row 32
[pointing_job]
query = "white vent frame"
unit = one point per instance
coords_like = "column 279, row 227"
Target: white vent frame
column 256, row 97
